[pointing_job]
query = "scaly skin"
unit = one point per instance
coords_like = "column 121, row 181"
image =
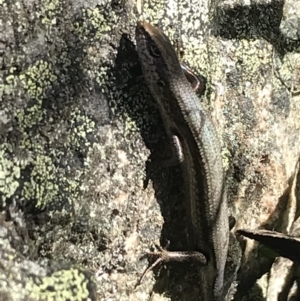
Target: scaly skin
column 190, row 128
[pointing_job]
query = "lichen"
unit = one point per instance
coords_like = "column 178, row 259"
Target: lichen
column 78, row 126
column 69, row 284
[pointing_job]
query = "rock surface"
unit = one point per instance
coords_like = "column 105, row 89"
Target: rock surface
column 81, row 193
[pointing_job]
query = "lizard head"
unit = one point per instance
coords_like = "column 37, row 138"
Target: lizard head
column 157, row 56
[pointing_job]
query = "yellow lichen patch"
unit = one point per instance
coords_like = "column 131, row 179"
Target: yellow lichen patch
column 42, row 186
column 50, row 11
column 155, row 12
column 99, row 21
column 35, row 80
column 82, row 126
column 32, row 116
column 102, row 79
column 62, row 285
column 287, row 72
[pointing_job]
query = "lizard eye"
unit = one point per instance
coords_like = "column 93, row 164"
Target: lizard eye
column 161, row 83
column 154, row 51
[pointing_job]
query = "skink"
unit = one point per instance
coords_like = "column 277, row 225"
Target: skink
column 192, row 132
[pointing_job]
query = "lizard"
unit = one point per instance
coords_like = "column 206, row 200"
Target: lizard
column 193, row 135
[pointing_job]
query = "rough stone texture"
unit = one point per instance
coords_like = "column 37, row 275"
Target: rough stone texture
column 81, row 140
column 22, row 279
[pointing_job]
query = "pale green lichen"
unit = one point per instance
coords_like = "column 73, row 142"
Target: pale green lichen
column 68, row 284
column 35, row 80
column 50, row 11
column 97, row 19
column 42, row 185
column 82, row 125
column 155, row 12
column 53, row 166
column 100, row 23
